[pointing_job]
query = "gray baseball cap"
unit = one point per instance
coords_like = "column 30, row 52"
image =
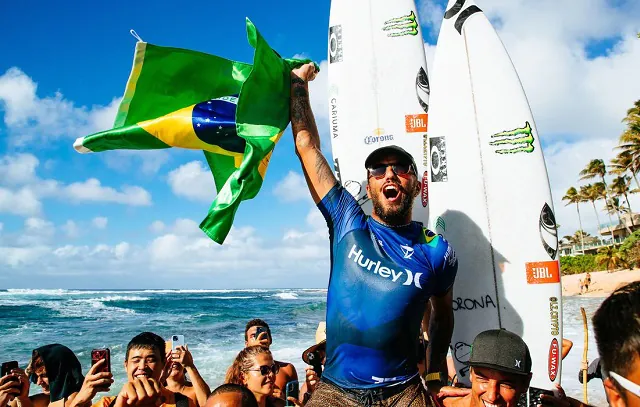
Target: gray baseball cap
column 501, row 350
column 386, row 150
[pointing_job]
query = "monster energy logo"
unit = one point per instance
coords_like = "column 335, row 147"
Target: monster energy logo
column 401, row 26
column 520, row 140
column 440, row 224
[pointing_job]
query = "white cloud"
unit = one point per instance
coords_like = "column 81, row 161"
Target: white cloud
column 99, row 222
column 91, row 190
column 157, row 226
column 121, row 250
column 18, row 169
column 151, row 160
column 36, row 232
column 29, row 117
column 23, row 190
column 292, row 187
column 193, row 181
column 22, row 202
column 71, row 229
column 186, row 227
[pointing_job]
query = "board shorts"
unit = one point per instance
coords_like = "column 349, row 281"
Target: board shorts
column 410, row 394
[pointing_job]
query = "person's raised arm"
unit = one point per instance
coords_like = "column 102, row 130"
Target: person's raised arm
column 315, row 167
column 199, row 385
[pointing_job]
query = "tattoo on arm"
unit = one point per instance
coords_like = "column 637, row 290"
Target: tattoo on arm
column 301, row 114
column 322, row 169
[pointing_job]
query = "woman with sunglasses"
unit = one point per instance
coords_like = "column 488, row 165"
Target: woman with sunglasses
column 255, row 369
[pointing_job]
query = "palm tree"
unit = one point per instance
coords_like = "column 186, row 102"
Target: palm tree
column 596, row 168
column 614, row 207
column 633, row 114
column 611, row 258
column 624, row 162
column 620, row 186
column 573, row 197
column 592, row 193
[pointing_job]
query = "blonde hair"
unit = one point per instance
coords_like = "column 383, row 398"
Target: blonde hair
column 243, row 363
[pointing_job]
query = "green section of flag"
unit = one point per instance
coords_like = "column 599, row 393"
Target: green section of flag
column 164, row 85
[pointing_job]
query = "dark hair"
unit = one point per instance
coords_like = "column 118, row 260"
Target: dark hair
column 147, row 340
column 243, row 363
column 256, row 322
column 617, row 328
column 248, row 399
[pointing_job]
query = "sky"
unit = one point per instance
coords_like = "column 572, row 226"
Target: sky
column 127, row 219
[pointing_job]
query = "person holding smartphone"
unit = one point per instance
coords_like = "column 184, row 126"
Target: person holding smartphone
column 99, row 379
column 11, row 383
column 145, row 365
column 257, row 332
column 57, row 370
column 181, row 363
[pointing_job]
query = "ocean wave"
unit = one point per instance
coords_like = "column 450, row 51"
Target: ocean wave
column 31, row 291
column 63, row 292
column 231, row 297
column 122, row 298
column 286, row 296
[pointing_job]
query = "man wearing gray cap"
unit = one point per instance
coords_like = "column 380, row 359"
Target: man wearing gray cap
column 500, row 371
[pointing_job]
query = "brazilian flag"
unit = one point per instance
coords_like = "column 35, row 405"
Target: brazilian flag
column 234, row 112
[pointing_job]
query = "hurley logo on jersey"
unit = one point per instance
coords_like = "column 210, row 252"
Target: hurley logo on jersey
column 407, row 277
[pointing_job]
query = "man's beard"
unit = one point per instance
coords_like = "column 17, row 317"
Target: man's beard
column 395, row 216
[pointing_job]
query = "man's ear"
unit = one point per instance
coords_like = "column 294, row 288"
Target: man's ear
column 417, row 191
column 613, row 396
column 368, row 191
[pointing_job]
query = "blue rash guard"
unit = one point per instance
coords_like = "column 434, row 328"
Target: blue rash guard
column 381, row 278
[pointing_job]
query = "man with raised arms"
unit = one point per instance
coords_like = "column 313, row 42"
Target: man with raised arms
column 384, row 269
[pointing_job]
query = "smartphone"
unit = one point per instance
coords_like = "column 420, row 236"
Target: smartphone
column 292, row 389
column 7, row 367
column 177, row 340
column 99, row 354
column 314, row 360
column 534, row 396
column 260, row 330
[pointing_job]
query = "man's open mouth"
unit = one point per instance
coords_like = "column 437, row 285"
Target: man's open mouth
column 391, row 192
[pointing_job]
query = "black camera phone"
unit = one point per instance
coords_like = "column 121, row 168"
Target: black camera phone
column 7, row 367
column 534, row 396
column 260, row 330
column 292, row 389
column 315, row 362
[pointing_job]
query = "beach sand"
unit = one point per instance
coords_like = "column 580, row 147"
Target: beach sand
column 602, row 282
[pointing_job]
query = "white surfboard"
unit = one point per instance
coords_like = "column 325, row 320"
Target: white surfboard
column 378, row 89
column 490, row 195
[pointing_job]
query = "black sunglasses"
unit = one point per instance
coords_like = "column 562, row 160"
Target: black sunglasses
column 379, row 170
column 265, row 370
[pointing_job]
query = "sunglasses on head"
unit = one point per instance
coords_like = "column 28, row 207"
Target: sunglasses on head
column 379, row 170
column 265, row 370
column 626, row 383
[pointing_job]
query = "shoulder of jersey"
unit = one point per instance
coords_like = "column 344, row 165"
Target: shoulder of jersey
column 430, row 238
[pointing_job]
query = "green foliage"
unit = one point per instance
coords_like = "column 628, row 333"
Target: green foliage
column 611, row 258
column 579, row 264
column 630, row 248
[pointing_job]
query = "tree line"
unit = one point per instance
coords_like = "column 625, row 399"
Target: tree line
column 624, row 166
